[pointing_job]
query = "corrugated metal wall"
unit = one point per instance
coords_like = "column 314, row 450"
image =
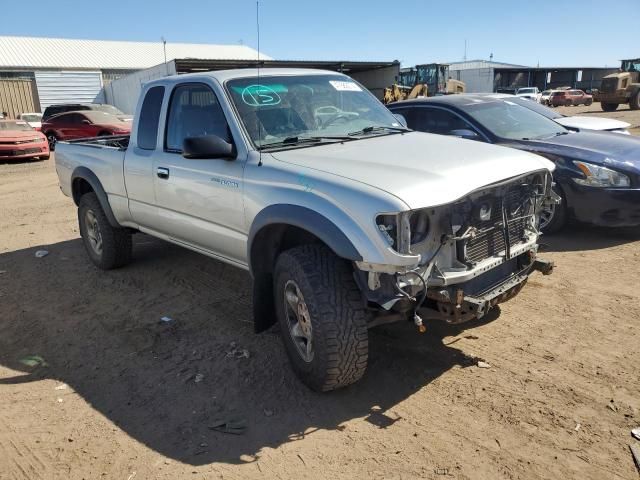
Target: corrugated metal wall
column 17, row 96
column 68, row 87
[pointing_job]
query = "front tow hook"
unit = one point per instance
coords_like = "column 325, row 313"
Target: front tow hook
column 543, row 266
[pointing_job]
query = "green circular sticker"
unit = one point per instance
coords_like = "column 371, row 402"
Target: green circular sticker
column 260, row 96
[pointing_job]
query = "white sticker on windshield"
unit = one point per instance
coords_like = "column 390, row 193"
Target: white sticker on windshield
column 345, row 86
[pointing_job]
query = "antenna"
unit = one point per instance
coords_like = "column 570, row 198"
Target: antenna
column 164, row 48
column 258, row 65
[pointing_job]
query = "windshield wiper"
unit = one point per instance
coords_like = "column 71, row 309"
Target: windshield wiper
column 295, row 140
column 376, row 128
column 546, row 137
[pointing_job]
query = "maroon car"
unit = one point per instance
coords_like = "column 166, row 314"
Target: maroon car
column 569, row 97
column 71, row 125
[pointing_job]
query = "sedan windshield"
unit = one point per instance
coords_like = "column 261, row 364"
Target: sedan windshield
column 536, row 107
column 508, row 120
column 286, row 111
column 14, row 125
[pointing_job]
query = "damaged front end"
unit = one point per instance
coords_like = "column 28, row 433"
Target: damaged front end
column 473, row 254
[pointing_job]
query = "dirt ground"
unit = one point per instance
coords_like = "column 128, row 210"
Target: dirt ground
column 94, row 385
column 623, row 113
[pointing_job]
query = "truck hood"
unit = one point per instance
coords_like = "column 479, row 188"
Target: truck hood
column 592, row 123
column 421, row 169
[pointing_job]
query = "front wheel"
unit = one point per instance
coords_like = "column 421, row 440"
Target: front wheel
column 322, row 317
column 634, row 103
column 108, row 247
column 553, row 216
column 609, row 107
column 52, row 139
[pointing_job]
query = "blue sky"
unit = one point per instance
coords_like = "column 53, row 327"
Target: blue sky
column 551, row 33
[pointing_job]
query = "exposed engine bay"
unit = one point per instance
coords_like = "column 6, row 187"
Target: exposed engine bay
column 474, row 253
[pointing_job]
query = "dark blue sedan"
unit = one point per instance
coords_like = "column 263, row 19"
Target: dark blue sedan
column 597, row 173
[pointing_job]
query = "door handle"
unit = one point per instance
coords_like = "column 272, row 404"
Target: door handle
column 162, row 172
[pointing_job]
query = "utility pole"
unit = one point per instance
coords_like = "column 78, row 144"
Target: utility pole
column 465, row 50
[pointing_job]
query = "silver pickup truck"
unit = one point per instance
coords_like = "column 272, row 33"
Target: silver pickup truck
column 344, row 217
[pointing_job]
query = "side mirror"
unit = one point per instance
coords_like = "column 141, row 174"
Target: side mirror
column 207, row 146
column 401, row 119
column 464, row 133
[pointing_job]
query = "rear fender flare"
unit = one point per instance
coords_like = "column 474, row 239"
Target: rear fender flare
column 87, row 175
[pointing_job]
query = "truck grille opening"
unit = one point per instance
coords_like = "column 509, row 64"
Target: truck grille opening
column 499, row 219
column 609, row 85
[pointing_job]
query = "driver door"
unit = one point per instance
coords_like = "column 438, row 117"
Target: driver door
column 199, row 201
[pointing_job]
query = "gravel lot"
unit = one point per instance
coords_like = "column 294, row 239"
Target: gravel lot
column 94, row 385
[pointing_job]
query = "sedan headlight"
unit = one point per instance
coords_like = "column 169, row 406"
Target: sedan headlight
column 405, row 229
column 597, row 176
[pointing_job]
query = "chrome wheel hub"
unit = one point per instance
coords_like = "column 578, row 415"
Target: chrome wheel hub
column 547, row 213
column 93, row 231
column 298, row 320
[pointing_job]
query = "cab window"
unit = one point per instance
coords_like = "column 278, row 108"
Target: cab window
column 437, row 120
column 194, row 111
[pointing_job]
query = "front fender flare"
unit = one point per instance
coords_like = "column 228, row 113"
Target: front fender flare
column 91, row 178
column 306, row 219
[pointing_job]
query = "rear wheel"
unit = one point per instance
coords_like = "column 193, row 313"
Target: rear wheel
column 634, row 103
column 609, row 107
column 107, row 247
column 322, row 317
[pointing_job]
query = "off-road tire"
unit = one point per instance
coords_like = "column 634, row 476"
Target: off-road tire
column 337, row 315
column 116, row 242
column 559, row 219
column 634, row 102
column 608, row 107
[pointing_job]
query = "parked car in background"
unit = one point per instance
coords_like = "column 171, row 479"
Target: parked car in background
column 87, row 123
column 579, row 97
column 544, row 97
column 344, row 218
column 19, row 141
column 52, row 110
column 531, row 93
column 569, row 98
column 597, row 174
column 33, row 119
column 576, row 123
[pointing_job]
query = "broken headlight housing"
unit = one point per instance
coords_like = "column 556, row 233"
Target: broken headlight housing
column 597, row 176
column 404, row 230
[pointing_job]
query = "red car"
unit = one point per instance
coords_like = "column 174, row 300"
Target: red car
column 569, row 97
column 84, row 124
column 19, row 141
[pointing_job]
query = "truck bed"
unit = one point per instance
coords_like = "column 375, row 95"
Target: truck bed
column 113, row 141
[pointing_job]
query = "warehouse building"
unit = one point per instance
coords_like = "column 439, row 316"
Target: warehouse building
column 37, row 72
column 488, row 76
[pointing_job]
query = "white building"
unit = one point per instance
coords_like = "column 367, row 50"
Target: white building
column 37, row 72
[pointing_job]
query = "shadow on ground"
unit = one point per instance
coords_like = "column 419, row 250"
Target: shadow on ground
column 165, row 383
column 586, row 237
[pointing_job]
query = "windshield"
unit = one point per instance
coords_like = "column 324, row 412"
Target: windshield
column 14, row 125
column 508, row 120
column 31, row 117
column 526, row 90
column 108, row 109
column 536, row 107
column 287, row 109
column 631, row 65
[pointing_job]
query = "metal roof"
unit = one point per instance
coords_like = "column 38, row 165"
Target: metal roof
column 37, row 52
column 473, row 64
column 189, row 65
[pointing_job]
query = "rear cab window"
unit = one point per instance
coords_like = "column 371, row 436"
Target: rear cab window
column 150, row 118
